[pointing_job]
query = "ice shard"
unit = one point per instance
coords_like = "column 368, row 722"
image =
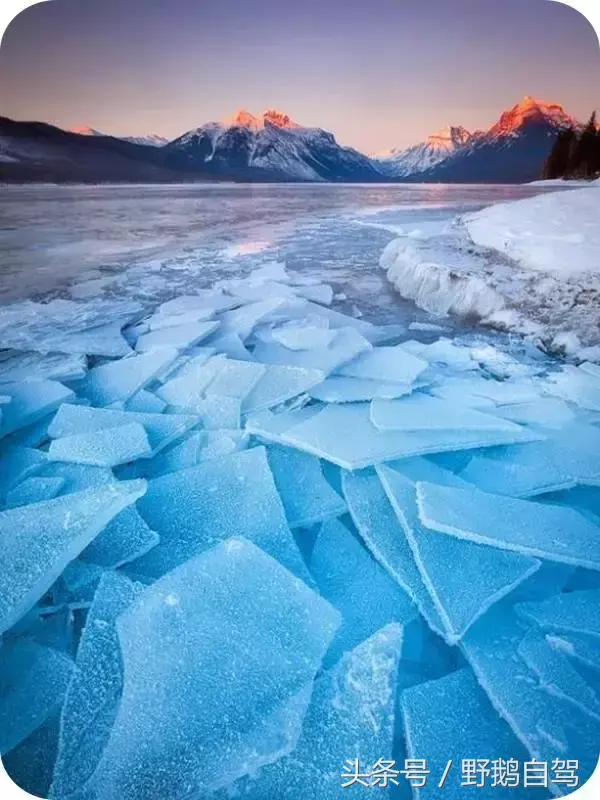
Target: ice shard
column 230, row 674
column 94, row 691
column 196, row 508
column 34, row 490
column 344, row 571
column 104, row 448
column 570, row 612
column 554, row 533
column 38, row 541
column 29, row 402
column 119, row 381
column 307, row 496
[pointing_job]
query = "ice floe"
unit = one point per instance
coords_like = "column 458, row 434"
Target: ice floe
column 247, row 539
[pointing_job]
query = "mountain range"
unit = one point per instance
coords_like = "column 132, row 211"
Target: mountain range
column 273, row 147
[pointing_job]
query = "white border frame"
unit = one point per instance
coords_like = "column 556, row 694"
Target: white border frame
column 590, row 9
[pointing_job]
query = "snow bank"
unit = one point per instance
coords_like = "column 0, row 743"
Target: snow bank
column 530, row 266
column 557, row 233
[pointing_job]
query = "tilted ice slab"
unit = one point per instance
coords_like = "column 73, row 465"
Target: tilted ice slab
column 566, row 458
column 555, row 533
column 18, row 463
column 238, row 681
column 340, row 389
column 125, row 539
column 118, row 381
column 38, row 541
column 162, row 429
column 556, row 674
column 213, row 300
column 64, row 326
column 347, row 345
column 382, row 534
column 306, row 495
column 93, row 694
column 33, row 682
column 547, row 412
column 549, row 727
column 578, row 647
column 279, row 384
column 421, row 412
column 579, row 386
column 366, row 596
column 145, row 402
column 385, row 364
column 38, row 366
column 242, row 321
column 196, row 508
column 187, row 388
column 34, row 490
column 573, row 612
column 108, row 447
column 180, row 336
column 351, row 716
column 297, row 336
column 449, row 718
column 29, row 402
column 236, row 379
column 486, row 574
column 326, row 434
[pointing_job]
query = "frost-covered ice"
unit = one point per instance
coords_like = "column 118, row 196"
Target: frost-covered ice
column 262, row 549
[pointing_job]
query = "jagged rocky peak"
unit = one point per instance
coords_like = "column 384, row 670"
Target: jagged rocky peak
column 531, row 110
column 449, row 137
column 271, row 116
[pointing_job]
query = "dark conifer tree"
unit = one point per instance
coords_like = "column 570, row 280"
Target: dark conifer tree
column 557, row 163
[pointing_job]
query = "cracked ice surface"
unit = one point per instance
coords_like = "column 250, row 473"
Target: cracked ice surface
column 246, row 538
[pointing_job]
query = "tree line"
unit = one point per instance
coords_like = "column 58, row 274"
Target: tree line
column 576, row 154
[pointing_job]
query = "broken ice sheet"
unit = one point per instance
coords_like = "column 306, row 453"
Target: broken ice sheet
column 118, row 381
column 104, row 448
column 279, row 384
column 219, row 411
column 196, row 508
column 351, row 715
column 93, row 694
column 123, row 540
column 231, row 673
column 340, row 389
column 486, row 574
column 547, row 412
column 421, row 412
column 162, row 429
column 571, row 612
column 385, row 364
column 33, row 682
column 436, row 724
column 30, row 401
column 18, row 463
column 556, row 674
column 242, row 321
column 37, row 366
column 307, row 496
column 347, row 345
column 578, row 647
column 145, row 402
column 325, row 434
column 352, row 581
column 64, row 326
column 179, row 337
column 39, row 540
column 381, row 532
column 555, row 533
column 545, row 724
column 34, row 490
column 297, row 336
column 30, row 763
column 236, row 379
column 567, row 457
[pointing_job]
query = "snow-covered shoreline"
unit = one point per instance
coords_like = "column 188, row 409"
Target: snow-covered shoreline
column 529, row 266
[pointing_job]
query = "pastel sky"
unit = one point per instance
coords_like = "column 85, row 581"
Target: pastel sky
column 378, row 73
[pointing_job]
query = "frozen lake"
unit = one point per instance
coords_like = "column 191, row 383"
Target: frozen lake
column 154, row 242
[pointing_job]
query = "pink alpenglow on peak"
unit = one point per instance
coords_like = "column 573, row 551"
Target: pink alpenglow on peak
column 449, row 138
column 531, row 110
column 244, row 119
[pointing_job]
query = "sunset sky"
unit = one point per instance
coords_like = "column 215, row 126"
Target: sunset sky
column 379, row 74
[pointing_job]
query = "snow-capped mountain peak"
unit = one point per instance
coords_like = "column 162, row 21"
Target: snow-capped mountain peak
column 245, row 119
column 531, row 110
column 449, row 138
column 151, row 139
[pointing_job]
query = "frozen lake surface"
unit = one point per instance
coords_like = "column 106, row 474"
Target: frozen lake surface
column 154, row 242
